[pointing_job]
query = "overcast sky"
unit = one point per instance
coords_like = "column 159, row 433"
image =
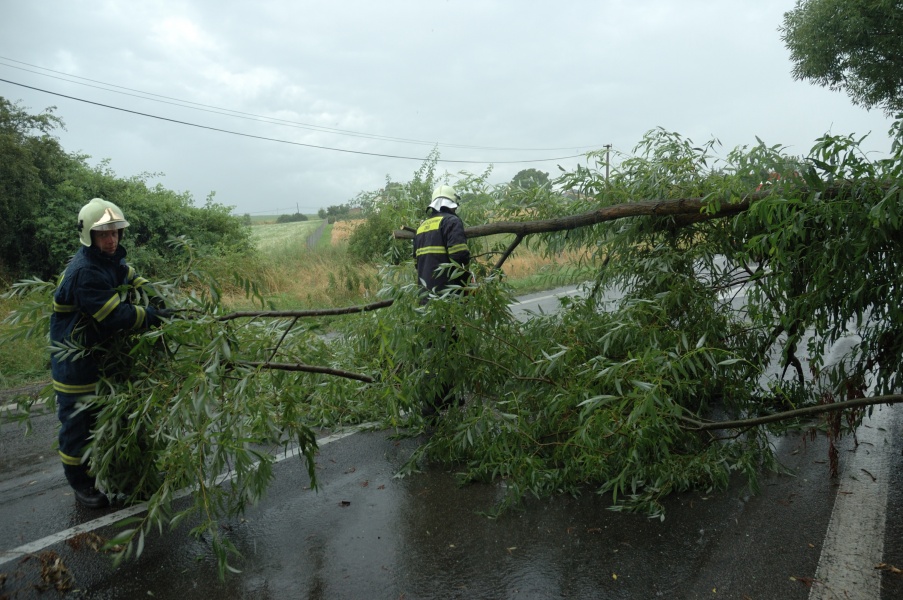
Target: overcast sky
column 333, row 85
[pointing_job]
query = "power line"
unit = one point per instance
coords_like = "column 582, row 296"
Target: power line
column 269, row 139
column 253, row 117
column 279, row 211
column 208, row 109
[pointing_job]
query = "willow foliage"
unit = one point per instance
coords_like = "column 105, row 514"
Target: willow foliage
column 179, row 411
column 682, row 320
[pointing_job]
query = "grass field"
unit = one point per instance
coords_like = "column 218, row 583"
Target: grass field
column 273, row 236
column 22, row 361
column 264, row 219
column 324, row 276
column 294, row 276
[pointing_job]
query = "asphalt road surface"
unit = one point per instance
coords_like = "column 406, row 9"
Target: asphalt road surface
column 367, row 534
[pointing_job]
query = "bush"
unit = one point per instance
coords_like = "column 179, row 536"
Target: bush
column 291, row 218
column 372, row 241
column 42, row 189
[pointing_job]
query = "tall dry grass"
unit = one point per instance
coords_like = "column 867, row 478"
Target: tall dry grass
column 294, row 275
column 341, row 231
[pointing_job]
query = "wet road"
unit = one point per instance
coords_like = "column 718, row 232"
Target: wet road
column 367, row 534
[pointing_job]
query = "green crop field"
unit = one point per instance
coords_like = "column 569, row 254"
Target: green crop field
column 282, row 235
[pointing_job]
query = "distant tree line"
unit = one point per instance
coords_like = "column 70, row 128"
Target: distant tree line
column 336, row 212
column 42, row 188
column 294, row 218
column 405, row 203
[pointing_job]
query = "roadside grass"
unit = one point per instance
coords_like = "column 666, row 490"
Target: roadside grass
column 293, row 276
column 308, row 279
column 23, row 361
column 296, row 276
column 326, row 238
column 530, row 268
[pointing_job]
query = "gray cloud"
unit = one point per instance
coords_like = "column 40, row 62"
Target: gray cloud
column 469, row 75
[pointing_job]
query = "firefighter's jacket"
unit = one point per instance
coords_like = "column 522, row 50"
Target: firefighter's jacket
column 90, row 304
column 440, row 240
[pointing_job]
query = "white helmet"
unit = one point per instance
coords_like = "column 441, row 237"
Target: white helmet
column 99, row 215
column 445, row 196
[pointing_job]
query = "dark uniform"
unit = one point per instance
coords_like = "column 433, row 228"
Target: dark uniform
column 90, row 305
column 440, row 240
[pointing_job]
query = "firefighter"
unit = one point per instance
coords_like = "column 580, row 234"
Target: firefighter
column 90, row 305
column 440, row 241
column 442, row 257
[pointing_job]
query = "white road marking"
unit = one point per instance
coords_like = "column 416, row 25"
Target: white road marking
column 15, row 407
column 115, row 517
column 543, row 298
column 854, row 541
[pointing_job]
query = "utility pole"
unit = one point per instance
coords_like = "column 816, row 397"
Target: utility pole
column 607, row 160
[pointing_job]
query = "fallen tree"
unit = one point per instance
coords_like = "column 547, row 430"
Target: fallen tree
column 612, row 394
column 765, row 259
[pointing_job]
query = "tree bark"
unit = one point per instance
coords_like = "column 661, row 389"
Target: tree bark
column 686, row 209
column 696, row 425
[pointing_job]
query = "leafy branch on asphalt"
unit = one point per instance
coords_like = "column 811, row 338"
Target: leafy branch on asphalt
column 690, row 300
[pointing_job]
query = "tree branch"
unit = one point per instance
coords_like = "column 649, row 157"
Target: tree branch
column 792, row 414
column 282, row 339
column 508, row 251
column 275, row 314
column 689, row 209
column 505, row 369
column 306, row 369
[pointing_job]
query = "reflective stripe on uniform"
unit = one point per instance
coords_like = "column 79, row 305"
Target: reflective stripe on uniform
column 64, row 308
column 74, row 389
column 457, row 248
column 431, row 250
column 72, row 461
column 429, row 225
column 135, row 279
column 140, row 315
column 107, row 308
